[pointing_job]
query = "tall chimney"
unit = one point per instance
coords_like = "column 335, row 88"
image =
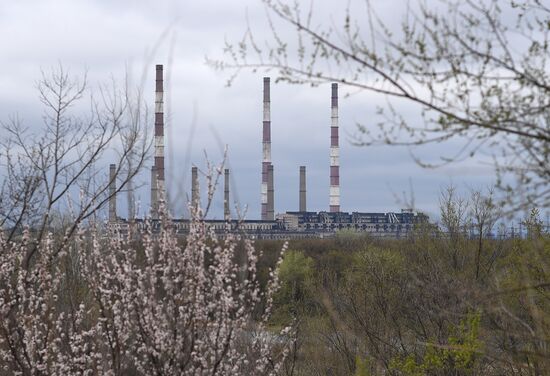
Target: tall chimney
column 334, row 154
column 270, row 194
column 112, row 193
column 194, row 188
column 159, row 134
column 303, row 189
column 226, row 211
column 154, row 193
column 266, row 144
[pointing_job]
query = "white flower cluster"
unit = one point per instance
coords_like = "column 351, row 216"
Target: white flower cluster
column 137, row 304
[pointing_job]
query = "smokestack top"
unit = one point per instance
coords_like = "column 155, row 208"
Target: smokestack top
column 159, row 81
column 334, row 95
column 159, row 67
column 266, row 89
column 112, row 166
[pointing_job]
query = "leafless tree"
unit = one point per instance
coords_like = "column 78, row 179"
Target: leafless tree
column 54, row 167
column 135, row 121
column 484, row 213
column 454, row 220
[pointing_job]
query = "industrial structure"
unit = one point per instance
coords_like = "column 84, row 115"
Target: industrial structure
column 334, row 153
column 302, row 206
column 267, row 167
column 158, row 186
column 291, row 224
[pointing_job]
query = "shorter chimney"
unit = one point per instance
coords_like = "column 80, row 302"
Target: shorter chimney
column 112, row 193
column 195, row 188
column 226, row 211
column 270, row 194
column 303, row 189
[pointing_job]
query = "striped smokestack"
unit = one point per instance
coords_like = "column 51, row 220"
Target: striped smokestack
column 112, row 193
column 266, row 146
column 226, row 211
column 270, row 194
column 194, row 188
column 334, row 154
column 159, row 134
column 154, row 193
column 303, row 189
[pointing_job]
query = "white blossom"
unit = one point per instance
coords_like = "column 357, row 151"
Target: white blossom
column 141, row 307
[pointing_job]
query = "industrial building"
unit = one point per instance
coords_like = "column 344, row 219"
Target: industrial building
column 291, row 224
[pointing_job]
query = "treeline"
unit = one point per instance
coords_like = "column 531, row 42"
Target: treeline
column 425, row 305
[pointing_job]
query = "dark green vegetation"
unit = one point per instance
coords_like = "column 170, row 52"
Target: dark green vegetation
column 422, row 306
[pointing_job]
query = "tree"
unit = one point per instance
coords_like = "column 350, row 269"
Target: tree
column 140, row 308
column 52, row 168
column 520, row 305
column 294, row 295
column 484, row 214
column 476, row 70
column 454, row 220
column 79, row 297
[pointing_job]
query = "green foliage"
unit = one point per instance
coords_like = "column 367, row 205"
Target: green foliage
column 534, row 224
column 385, row 306
column 350, row 240
column 408, row 366
column 335, row 263
column 295, row 275
column 296, row 268
column 361, row 366
column 459, row 354
column 375, row 270
column 464, row 345
column 523, row 289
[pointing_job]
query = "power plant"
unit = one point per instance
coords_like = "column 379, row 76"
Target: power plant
column 291, row 224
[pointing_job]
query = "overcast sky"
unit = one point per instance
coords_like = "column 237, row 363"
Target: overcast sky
column 109, row 37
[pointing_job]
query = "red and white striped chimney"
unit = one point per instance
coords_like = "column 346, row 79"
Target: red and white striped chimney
column 159, row 133
column 334, row 154
column 266, row 146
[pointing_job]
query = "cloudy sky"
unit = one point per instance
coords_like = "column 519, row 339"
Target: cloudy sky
column 108, row 38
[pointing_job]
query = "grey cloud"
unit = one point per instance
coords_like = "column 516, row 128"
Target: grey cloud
column 109, row 37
